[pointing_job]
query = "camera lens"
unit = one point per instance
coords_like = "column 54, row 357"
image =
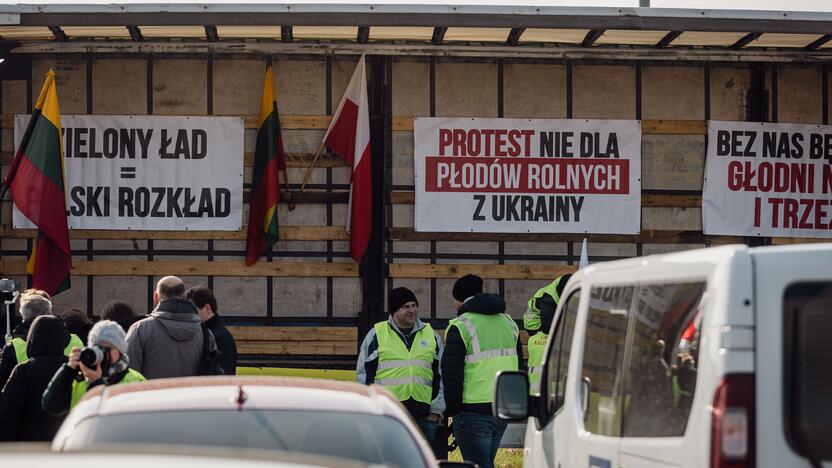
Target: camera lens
column 91, row 356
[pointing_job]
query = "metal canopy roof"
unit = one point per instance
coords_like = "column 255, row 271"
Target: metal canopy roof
column 417, row 29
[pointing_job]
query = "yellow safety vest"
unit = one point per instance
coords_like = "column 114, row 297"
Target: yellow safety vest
column 490, row 347
column 406, row 373
column 80, row 388
column 531, row 319
column 20, row 347
column 537, row 348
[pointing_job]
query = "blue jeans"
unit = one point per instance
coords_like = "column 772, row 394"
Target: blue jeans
column 478, row 436
column 428, row 428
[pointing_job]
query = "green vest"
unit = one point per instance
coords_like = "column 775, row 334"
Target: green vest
column 406, row 373
column 20, row 347
column 80, row 388
column 537, row 347
column 531, row 319
column 490, row 347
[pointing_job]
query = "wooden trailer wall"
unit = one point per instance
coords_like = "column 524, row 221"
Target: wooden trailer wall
column 308, row 287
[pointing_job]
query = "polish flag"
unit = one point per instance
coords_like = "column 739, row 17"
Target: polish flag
column 348, row 136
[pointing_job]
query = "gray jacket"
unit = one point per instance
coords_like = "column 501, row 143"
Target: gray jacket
column 169, row 342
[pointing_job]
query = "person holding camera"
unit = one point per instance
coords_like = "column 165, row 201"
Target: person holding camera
column 103, row 362
column 33, row 304
column 21, row 415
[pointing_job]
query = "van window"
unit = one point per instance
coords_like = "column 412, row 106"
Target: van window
column 606, row 333
column 807, row 320
column 661, row 375
column 558, row 359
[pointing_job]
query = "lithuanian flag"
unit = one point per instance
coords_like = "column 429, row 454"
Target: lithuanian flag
column 269, row 160
column 36, row 182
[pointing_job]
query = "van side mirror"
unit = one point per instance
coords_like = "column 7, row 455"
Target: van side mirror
column 511, row 396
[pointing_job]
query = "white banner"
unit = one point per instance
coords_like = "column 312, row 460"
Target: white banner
column 524, row 175
column 150, row 172
column 767, row 179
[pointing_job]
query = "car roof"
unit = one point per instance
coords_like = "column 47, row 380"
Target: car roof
column 241, row 392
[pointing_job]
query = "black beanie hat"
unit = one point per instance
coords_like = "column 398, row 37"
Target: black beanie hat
column 467, row 286
column 399, row 297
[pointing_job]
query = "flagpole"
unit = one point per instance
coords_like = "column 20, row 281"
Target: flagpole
column 312, row 166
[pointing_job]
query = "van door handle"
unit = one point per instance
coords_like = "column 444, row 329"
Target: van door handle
column 585, row 387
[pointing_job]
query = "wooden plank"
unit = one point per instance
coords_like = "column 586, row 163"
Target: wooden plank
column 671, row 201
column 251, row 122
column 301, row 160
column 452, row 271
column 196, row 268
column 318, row 348
column 674, row 127
column 646, row 236
column 402, row 198
column 289, row 233
column 249, row 333
column 292, row 122
column 798, row 240
column 405, row 123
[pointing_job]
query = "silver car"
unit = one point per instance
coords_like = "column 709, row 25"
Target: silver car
column 311, row 416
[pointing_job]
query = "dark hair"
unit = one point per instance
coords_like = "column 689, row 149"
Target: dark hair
column 117, row 310
column 77, row 322
column 201, row 295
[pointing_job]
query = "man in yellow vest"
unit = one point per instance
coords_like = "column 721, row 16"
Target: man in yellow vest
column 537, row 320
column 402, row 354
column 480, row 342
column 65, row 391
column 33, row 304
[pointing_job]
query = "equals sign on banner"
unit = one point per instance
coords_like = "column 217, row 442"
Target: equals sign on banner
column 128, row 172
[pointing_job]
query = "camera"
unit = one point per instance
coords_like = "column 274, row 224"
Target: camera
column 8, row 288
column 91, row 356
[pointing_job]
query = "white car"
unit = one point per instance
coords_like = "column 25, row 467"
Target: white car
column 143, row 456
column 707, row 358
column 321, row 417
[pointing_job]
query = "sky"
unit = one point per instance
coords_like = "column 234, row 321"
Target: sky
column 790, row 5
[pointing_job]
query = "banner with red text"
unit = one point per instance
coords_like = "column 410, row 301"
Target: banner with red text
column 527, row 175
column 767, row 179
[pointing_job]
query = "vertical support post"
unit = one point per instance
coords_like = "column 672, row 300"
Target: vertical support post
column 372, row 266
column 757, row 110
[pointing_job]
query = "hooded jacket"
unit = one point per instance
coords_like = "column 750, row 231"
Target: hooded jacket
column 21, row 415
column 168, row 343
column 8, row 359
column 453, row 359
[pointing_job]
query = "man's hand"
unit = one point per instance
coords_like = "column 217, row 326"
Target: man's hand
column 91, row 374
column 74, row 358
column 433, row 417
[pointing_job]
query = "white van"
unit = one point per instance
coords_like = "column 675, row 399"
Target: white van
column 718, row 358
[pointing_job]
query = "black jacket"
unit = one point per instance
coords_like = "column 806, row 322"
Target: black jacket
column 547, row 307
column 58, row 394
column 21, row 415
column 453, row 360
column 225, row 343
column 8, row 358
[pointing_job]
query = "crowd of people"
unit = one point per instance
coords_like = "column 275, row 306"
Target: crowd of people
column 456, row 379
column 45, row 369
